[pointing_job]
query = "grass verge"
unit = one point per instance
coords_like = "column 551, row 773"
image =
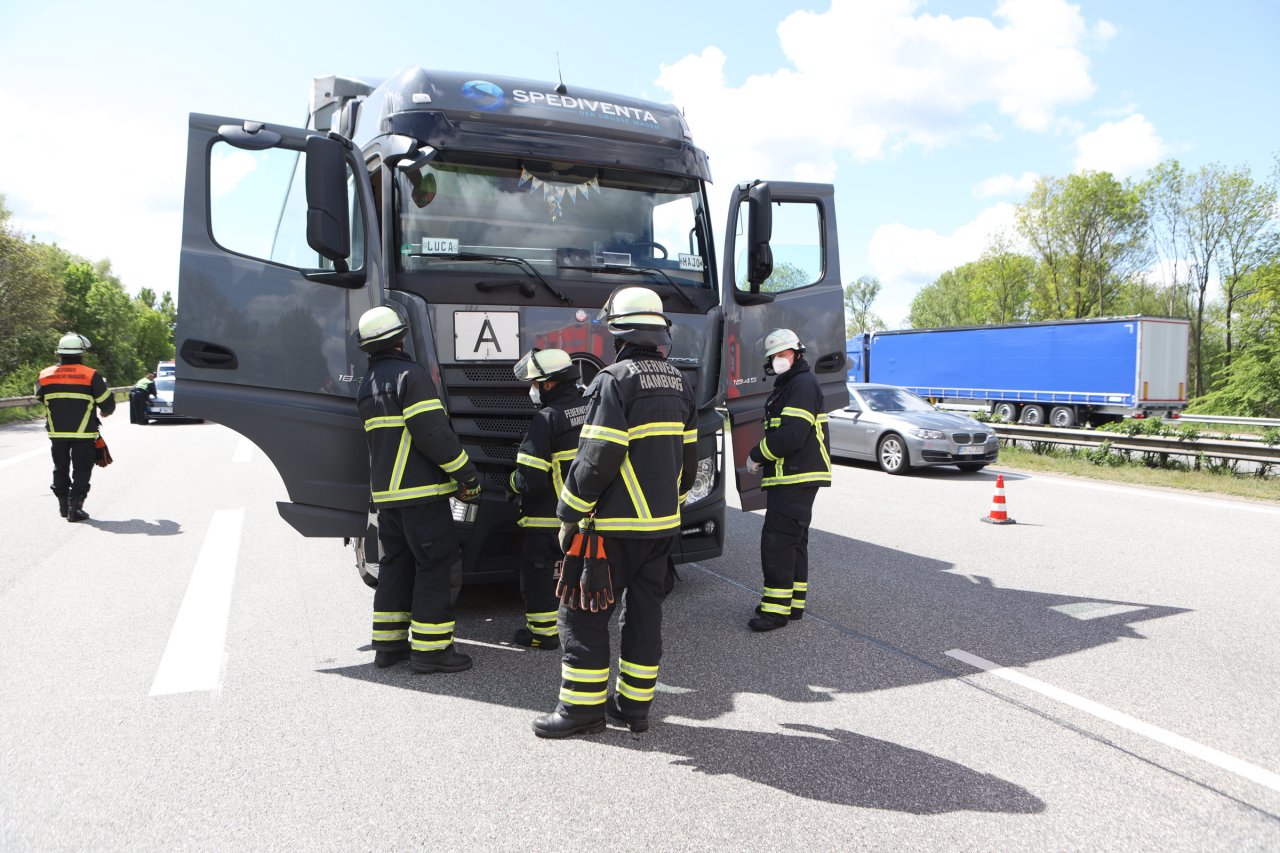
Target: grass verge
column 1236, row 485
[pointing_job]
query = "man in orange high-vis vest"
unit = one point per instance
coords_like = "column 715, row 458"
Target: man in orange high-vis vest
column 73, row 394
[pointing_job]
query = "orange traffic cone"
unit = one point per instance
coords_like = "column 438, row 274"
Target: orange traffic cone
column 999, row 515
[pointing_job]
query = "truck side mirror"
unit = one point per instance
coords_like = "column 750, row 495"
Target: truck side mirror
column 328, row 209
column 759, row 232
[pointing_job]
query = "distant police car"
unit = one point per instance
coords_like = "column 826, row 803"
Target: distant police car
column 898, row 430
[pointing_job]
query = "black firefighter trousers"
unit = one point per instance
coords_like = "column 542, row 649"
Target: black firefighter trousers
column 72, row 467
column 784, row 549
column 412, row 603
column 639, row 571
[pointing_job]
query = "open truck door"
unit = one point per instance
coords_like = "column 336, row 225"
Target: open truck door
column 275, row 273
column 781, row 271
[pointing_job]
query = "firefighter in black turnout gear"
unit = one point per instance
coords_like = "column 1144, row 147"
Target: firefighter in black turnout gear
column 73, row 393
column 637, row 457
column 796, row 461
column 415, row 465
column 541, row 465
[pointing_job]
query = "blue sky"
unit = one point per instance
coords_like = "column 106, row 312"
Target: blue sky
column 929, row 117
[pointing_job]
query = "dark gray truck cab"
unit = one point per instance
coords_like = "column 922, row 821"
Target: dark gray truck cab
column 499, row 215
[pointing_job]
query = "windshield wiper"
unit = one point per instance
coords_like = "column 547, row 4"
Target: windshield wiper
column 504, row 259
column 666, row 279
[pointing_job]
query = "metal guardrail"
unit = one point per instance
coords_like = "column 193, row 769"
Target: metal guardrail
column 1230, row 419
column 1212, row 448
column 18, row 402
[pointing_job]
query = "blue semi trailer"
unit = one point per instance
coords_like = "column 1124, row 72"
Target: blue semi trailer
column 1064, row 372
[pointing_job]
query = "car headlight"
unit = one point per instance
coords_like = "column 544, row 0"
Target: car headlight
column 928, row 433
column 704, row 482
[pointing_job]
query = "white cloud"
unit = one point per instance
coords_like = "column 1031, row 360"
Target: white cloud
column 1006, row 185
column 110, row 189
column 1122, row 148
column 906, row 259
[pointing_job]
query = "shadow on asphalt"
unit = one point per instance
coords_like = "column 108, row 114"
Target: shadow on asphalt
column 879, row 619
column 162, row 527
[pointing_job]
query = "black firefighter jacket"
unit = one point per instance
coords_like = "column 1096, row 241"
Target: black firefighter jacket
column 796, row 449
column 414, row 455
column 72, row 391
column 638, row 451
column 546, row 453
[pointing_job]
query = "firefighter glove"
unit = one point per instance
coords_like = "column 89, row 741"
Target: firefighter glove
column 469, row 492
column 568, row 529
column 597, row 581
column 101, row 454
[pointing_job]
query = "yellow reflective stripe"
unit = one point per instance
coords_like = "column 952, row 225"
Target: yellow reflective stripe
column 399, row 634
column 432, row 627
column 800, row 586
column 822, row 418
column 549, row 616
column 656, row 428
column 600, row 433
column 764, row 450
column 540, row 631
column 69, row 395
column 769, row 607
column 638, row 524
column 576, row 697
column 775, row 592
column 797, row 604
column 574, row 501
column 638, row 670
column 792, row 411
column 424, row 406
column 402, row 458
column 533, row 461
column 632, row 482
column 816, row 477
column 640, row 694
column 383, row 423
column 538, row 521
column 430, row 645
column 419, row 492
column 511, row 482
column 105, row 394
column 770, row 423
column 690, row 436
column 570, row 673
column 564, row 455
column 392, row 616
column 683, row 498
column 456, row 463
column 822, row 447
column 73, row 435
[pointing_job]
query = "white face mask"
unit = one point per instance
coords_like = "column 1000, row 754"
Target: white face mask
column 781, row 364
column 535, row 395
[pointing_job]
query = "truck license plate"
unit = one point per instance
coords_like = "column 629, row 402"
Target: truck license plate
column 973, row 450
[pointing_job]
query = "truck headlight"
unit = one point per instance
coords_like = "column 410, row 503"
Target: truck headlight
column 928, row 433
column 704, row 482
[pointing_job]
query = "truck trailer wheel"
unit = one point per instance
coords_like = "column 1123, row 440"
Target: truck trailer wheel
column 892, row 455
column 1063, row 417
column 1007, row 411
column 1032, row 415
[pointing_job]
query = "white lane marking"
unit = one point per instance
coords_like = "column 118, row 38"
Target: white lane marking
column 244, row 451
column 1216, row 503
column 458, row 639
column 23, row 457
column 196, row 655
column 1094, row 609
column 1208, row 754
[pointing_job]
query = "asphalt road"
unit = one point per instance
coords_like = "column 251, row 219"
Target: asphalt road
column 185, row 672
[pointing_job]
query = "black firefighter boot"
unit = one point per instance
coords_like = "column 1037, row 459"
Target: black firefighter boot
column 445, row 660
column 636, row 722
column 75, row 512
column 558, row 724
column 62, row 504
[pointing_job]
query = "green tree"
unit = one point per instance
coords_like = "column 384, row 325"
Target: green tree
column 28, row 296
column 1003, row 281
column 858, row 298
column 785, row 276
column 951, row 300
column 1250, row 239
column 1250, row 384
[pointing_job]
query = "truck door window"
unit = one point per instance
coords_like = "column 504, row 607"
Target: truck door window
column 796, row 246
column 258, row 207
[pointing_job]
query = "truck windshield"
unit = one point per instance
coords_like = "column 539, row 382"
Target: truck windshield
column 567, row 221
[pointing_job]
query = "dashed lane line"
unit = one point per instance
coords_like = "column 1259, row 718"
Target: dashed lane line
column 196, row 655
column 1208, row 754
column 23, row 457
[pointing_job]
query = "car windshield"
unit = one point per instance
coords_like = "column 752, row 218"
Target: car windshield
column 892, row 400
column 566, row 221
column 165, row 384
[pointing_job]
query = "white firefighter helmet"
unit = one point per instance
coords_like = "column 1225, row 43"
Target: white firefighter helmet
column 380, row 326
column 634, row 306
column 539, row 365
column 779, row 340
column 72, row 344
